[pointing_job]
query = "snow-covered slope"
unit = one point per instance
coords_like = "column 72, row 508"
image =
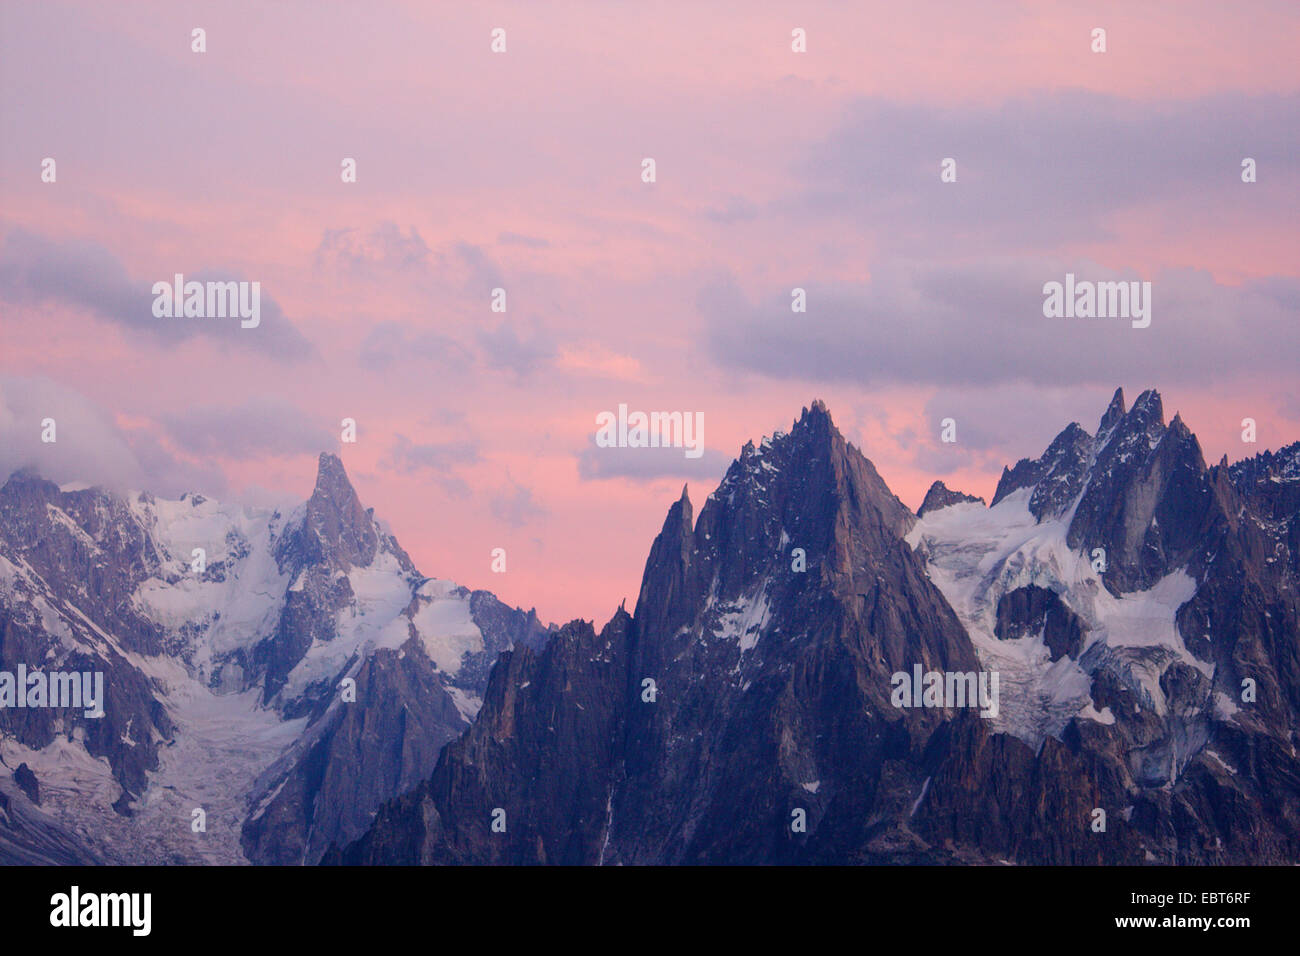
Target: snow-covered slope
column 977, row 556
column 1117, row 581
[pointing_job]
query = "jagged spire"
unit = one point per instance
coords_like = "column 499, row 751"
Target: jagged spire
column 1150, row 406
column 941, row 496
column 1114, row 412
column 342, row 529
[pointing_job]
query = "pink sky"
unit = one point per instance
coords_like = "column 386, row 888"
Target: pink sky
column 775, row 170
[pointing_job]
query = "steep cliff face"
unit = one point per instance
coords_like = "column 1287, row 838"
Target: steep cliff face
column 532, row 781
column 743, row 713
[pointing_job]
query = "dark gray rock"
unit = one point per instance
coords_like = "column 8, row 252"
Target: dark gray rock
column 1032, row 610
column 27, row 783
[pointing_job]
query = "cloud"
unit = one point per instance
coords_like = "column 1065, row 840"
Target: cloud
column 90, row 447
column 390, row 343
column 1019, row 416
column 1044, row 168
column 996, row 426
column 518, row 239
column 649, row 464
column 975, row 325
column 732, row 209
column 170, row 477
column 592, row 359
column 436, row 460
column 384, row 248
column 503, row 347
column 256, row 429
column 515, row 504
column 84, row 275
column 484, row 275
column 410, row 457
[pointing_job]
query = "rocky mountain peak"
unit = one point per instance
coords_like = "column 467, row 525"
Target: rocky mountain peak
column 1271, row 482
column 1150, row 406
column 331, row 477
column 1146, row 500
column 1057, row 476
column 941, row 496
column 1136, row 490
column 1281, row 466
column 814, row 424
column 807, row 488
column 1114, row 412
column 335, row 530
column 336, row 517
column 754, row 678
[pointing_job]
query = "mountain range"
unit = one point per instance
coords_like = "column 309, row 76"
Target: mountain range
column 1138, row 608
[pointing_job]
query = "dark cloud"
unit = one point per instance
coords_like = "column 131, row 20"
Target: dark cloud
column 976, row 325
column 85, row 275
column 504, row 347
column 1048, row 168
column 649, row 464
